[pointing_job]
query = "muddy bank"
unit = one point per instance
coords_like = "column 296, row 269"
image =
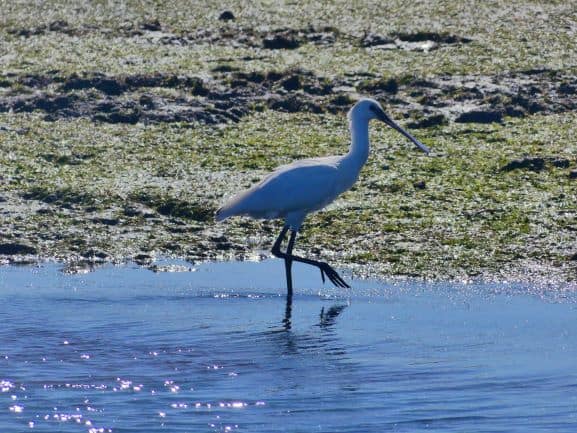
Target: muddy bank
column 131, row 164
column 481, row 207
column 501, row 220
column 239, row 36
column 229, row 94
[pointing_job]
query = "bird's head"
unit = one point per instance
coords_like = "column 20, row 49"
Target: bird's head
column 367, row 109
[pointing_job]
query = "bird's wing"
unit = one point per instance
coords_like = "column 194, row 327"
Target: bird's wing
column 305, row 185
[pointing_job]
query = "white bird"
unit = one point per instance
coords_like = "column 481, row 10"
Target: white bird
column 292, row 191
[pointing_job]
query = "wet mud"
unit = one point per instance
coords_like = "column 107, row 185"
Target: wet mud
column 275, row 39
column 281, row 38
column 536, row 163
column 169, row 225
column 228, row 95
column 419, row 41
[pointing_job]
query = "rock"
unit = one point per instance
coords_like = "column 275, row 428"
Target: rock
column 151, row 26
column 573, row 174
column 427, row 122
column 15, row 248
column 529, row 163
column 420, row 184
column 281, row 41
column 292, row 83
column 226, row 16
column 478, row 116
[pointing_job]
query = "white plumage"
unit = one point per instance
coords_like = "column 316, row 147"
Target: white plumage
column 294, row 190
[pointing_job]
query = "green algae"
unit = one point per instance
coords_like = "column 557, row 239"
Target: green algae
column 113, row 38
column 74, row 187
column 469, row 220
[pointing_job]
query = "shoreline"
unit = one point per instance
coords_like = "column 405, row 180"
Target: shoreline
column 122, row 134
column 358, row 273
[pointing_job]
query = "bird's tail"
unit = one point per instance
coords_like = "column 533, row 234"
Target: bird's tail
column 223, row 213
column 220, row 215
column 232, row 207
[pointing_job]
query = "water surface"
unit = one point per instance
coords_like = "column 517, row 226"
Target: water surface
column 218, row 349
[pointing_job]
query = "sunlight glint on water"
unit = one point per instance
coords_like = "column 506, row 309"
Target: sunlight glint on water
column 127, row 350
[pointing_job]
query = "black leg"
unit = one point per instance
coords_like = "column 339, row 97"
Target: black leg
column 276, row 246
column 288, row 312
column 287, row 261
column 288, row 257
column 289, row 276
column 325, row 269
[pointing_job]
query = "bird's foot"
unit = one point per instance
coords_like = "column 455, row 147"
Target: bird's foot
column 332, row 275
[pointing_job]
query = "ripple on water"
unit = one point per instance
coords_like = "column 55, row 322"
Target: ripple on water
column 126, row 350
column 6, row 386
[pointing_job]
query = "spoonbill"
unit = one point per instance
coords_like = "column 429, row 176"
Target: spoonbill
column 294, row 190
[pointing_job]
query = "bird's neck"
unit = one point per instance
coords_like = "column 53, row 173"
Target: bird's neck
column 359, row 151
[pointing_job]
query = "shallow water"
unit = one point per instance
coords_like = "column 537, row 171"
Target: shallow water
column 124, row 349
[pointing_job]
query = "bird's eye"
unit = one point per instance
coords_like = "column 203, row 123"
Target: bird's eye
column 377, row 111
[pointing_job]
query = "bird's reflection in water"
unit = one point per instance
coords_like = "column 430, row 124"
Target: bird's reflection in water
column 287, row 324
column 328, row 317
column 293, row 340
column 305, row 348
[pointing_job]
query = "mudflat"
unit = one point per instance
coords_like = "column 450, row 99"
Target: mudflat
column 123, row 128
